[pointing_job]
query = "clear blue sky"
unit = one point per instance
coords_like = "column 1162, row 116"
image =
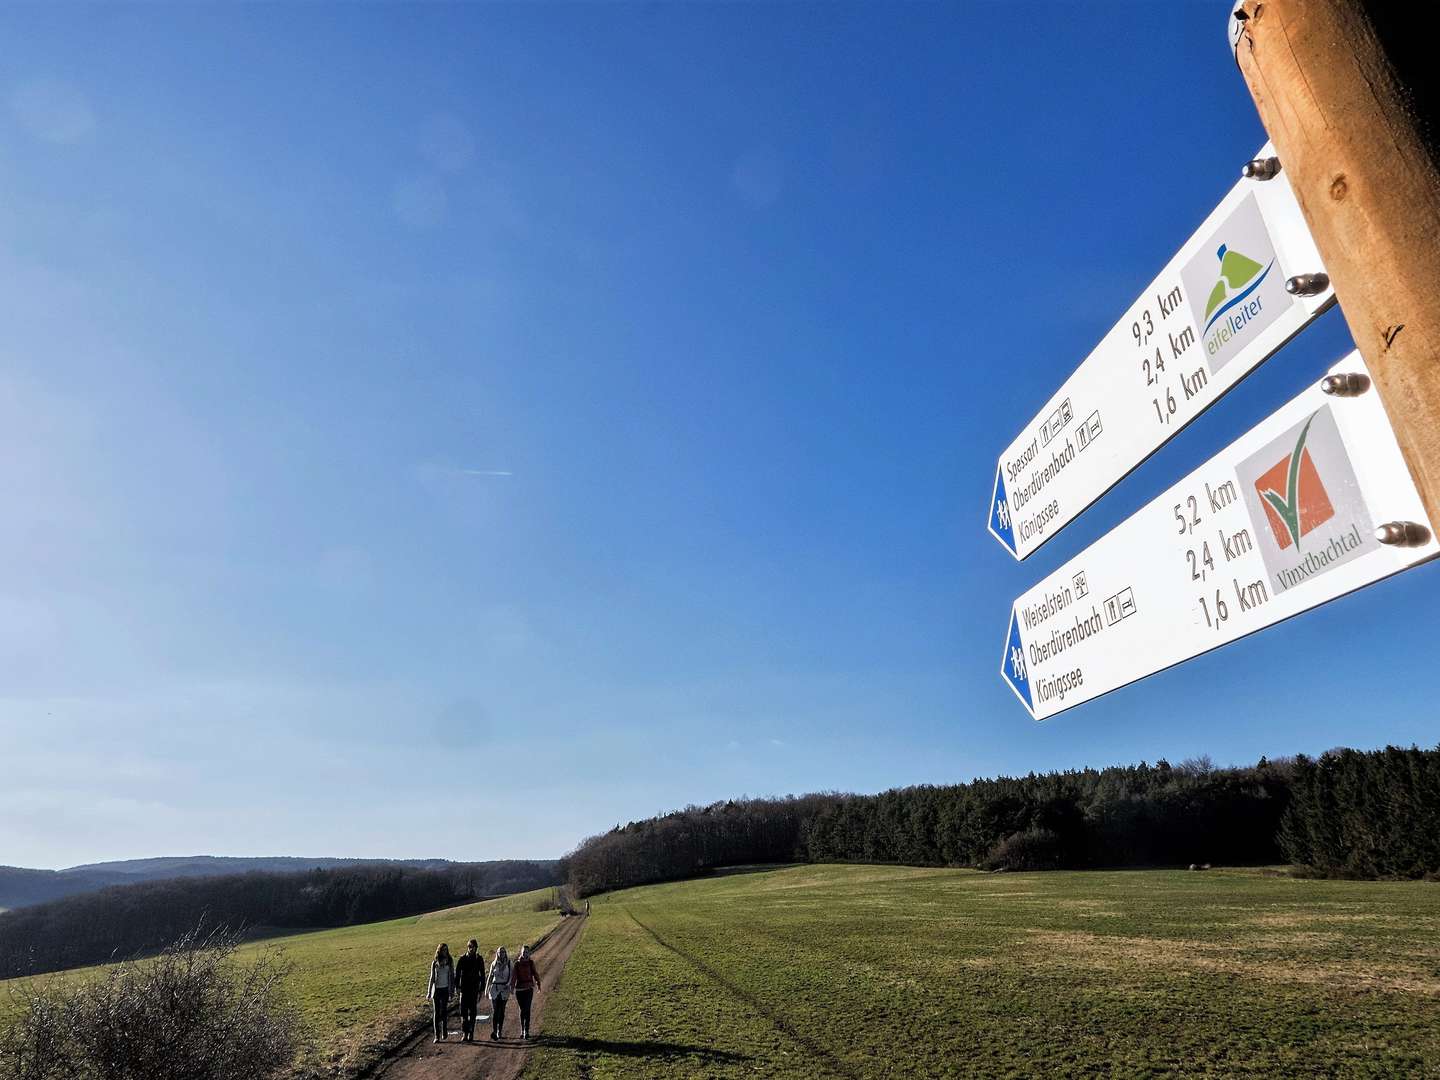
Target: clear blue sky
column 449, row 431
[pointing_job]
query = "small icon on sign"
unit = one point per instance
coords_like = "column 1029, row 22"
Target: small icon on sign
column 1017, row 663
column 1002, row 513
column 1081, row 588
column 1056, row 421
column 1120, row 606
column 1086, row 432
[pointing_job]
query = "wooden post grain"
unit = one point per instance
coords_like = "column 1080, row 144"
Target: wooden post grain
column 1346, row 90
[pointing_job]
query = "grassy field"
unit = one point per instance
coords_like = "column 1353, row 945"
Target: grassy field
column 360, row 988
column 890, row 971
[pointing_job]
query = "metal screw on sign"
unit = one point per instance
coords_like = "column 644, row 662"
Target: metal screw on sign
column 1402, row 533
column 1265, row 168
column 1348, row 384
column 1238, row 18
column 1307, row 284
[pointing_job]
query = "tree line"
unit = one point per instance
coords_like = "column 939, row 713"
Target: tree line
column 1349, row 813
column 129, row 920
column 1365, row 814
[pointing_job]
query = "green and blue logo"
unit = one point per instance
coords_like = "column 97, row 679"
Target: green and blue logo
column 1234, row 301
column 1237, row 271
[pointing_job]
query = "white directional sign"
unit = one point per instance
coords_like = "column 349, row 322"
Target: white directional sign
column 1218, row 309
column 1283, row 519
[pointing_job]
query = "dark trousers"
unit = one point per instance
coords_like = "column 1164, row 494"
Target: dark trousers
column 497, row 1016
column 523, row 999
column 442, row 1012
column 468, row 1010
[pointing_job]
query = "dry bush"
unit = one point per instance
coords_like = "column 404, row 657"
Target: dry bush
column 559, row 899
column 1033, row 849
column 195, row 1012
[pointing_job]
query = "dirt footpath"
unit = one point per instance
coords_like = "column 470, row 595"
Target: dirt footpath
column 423, row 1059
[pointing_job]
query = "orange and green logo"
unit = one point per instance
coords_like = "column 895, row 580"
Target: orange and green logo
column 1307, row 508
column 1240, row 276
column 1304, row 505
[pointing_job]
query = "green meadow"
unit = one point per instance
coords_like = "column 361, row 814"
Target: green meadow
column 360, row 989
column 842, row 971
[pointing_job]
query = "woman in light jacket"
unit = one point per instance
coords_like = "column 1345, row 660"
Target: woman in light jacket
column 501, row 983
column 442, row 981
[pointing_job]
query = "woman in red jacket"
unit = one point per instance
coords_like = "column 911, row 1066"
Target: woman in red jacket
column 527, row 981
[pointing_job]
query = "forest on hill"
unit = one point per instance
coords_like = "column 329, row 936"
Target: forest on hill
column 20, row 887
column 1347, row 813
column 129, row 920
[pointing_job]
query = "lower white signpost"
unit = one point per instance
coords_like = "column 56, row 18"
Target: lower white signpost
column 1313, row 503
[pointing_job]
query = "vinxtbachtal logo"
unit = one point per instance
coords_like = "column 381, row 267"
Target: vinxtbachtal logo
column 1234, row 284
column 1306, row 509
column 1295, row 499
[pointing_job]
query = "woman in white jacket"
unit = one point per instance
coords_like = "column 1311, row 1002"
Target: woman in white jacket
column 498, row 988
column 442, row 982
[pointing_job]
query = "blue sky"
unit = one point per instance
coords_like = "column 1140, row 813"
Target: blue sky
column 451, row 430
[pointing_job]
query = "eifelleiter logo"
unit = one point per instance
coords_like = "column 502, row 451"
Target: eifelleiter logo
column 1234, row 284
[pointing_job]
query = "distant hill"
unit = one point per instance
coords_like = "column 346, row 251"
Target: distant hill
column 142, row 916
column 20, row 887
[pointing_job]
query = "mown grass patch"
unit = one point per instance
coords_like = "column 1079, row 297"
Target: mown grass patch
column 840, row 971
column 361, row 988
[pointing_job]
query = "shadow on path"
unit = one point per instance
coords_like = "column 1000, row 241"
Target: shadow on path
column 660, row 1051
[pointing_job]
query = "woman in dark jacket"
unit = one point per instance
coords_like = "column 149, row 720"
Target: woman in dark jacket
column 442, row 981
column 470, row 975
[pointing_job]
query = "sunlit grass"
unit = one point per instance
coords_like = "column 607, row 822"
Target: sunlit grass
column 361, row 988
column 891, row 971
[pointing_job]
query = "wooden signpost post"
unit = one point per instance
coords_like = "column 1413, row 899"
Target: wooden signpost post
column 1347, row 91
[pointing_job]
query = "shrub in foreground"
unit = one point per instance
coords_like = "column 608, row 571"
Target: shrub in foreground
column 195, row 1012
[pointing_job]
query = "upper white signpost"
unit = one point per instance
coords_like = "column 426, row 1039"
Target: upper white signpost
column 1247, row 281
column 1312, row 503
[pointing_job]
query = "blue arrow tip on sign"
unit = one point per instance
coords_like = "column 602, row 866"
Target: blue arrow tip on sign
column 1012, row 664
column 999, row 523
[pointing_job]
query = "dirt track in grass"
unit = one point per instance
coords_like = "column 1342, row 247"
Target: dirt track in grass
column 422, row 1059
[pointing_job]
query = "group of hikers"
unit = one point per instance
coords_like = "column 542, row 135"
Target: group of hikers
column 470, row 978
